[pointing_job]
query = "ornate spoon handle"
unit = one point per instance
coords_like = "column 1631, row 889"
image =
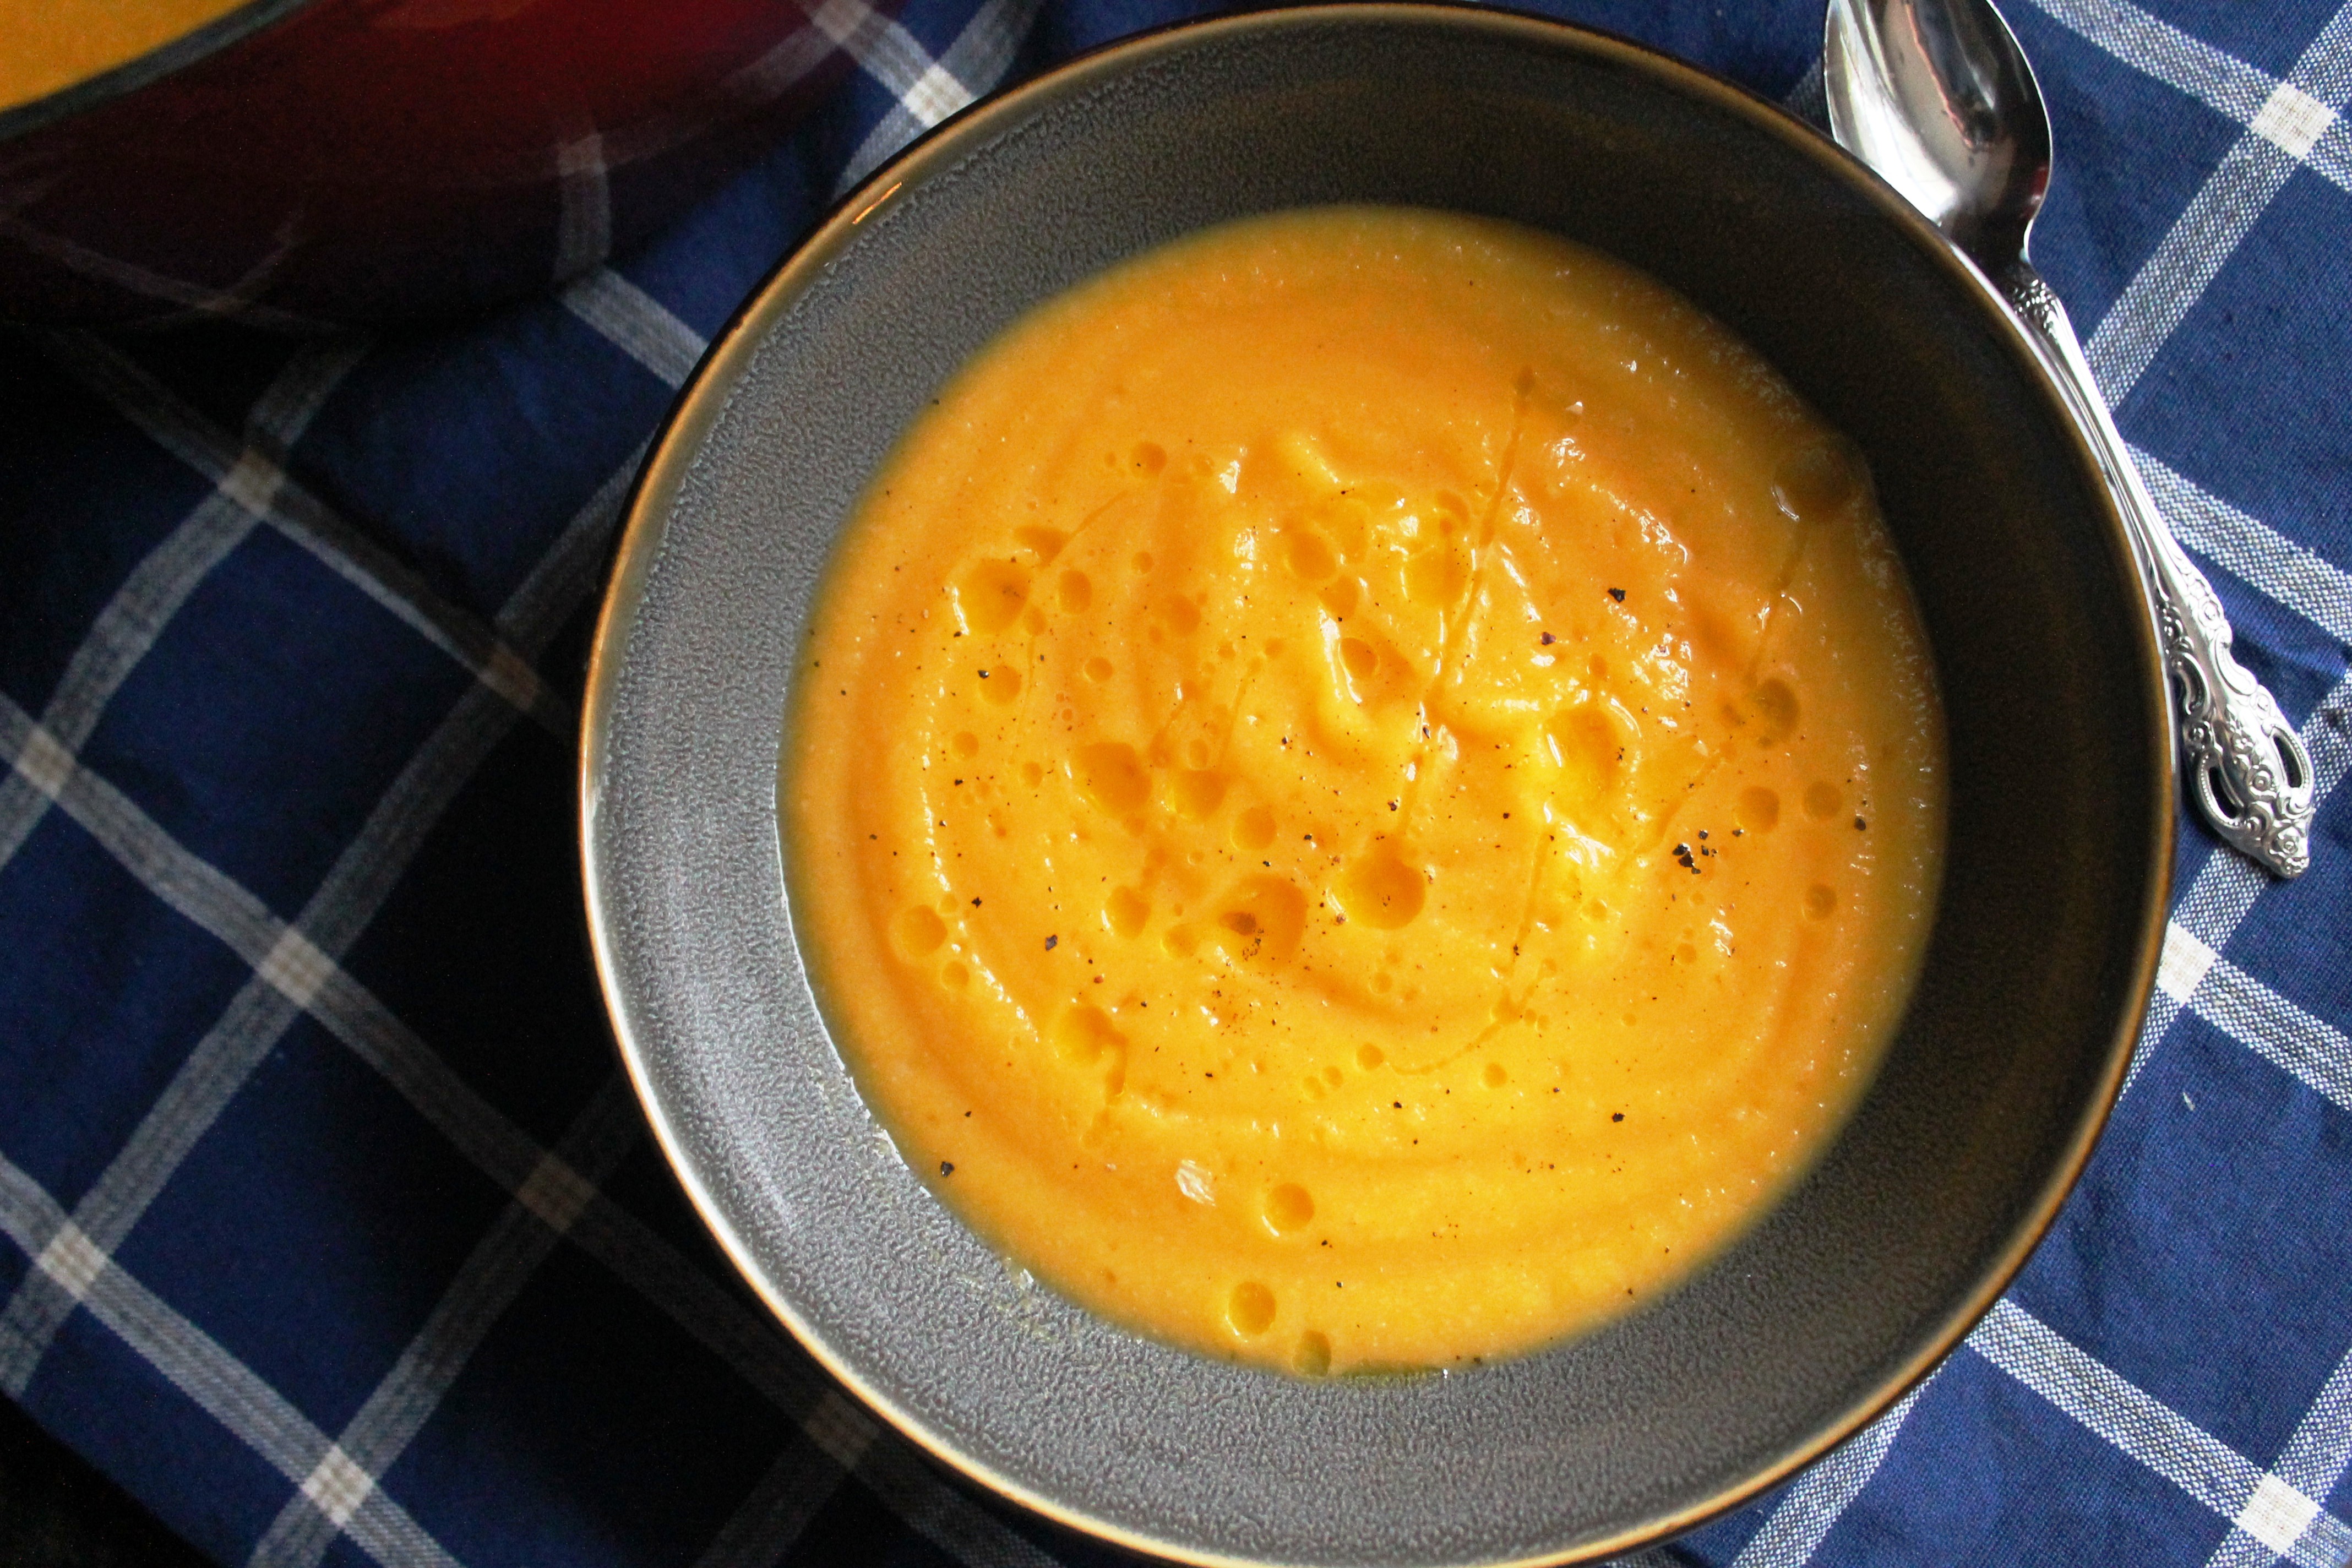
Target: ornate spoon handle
column 2245, row 765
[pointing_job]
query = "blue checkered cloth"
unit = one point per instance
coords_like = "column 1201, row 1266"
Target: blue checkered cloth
column 330, row 1231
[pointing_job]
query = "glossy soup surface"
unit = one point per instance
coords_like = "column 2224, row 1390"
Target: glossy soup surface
column 1366, row 790
column 48, row 44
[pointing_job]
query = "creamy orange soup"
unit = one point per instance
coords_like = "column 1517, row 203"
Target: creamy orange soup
column 49, row 45
column 1366, row 790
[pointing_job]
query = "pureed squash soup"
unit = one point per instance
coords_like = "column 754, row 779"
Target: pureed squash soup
column 1365, row 791
column 47, row 45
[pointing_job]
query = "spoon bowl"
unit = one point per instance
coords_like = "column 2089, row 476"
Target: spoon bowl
column 1942, row 102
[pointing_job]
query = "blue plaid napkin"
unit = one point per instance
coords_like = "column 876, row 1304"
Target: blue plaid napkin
column 329, row 1231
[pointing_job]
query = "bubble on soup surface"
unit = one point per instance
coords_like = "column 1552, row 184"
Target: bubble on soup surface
column 1357, row 655
column 1313, row 1357
column 1771, row 709
column 1253, row 829
column 1043, row 542
column 1076, row 591
column 1820, row 901
column 1098, row 670
column 1494, row 1075
column 1032, row 775
column 991, row 594
column 1001, row 685
column 1197, row 791
column 1759, row 809
column 1150, row 456
column 1260, row 919
column 1287, row 1208
column 1308, row 555
column 1140, row 561
column 1032, row 620
column 1111, row 775
column 1822, row 800
column 1815, row 480
column 954, row 976
column 1126, row 910
column 1250, row 1309
column 966, row 743
column 918, row 931
column 1382, row 890
column 1369, row 1056
column 1083, row 1032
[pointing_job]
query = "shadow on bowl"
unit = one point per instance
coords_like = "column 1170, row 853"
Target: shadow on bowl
column 2054, row 889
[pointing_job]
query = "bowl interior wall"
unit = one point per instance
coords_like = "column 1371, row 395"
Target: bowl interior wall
column 2033, row 974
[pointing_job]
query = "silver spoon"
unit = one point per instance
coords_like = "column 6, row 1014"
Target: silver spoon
column 1938, row 97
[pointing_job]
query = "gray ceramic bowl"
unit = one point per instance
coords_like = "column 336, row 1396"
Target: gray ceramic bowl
column 2037, row 972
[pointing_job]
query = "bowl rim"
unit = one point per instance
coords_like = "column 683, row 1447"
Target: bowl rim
column 707, row 391
column 173, row 55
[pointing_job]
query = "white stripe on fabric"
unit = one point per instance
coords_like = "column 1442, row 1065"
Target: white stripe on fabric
column 2191, row 256
column 347, row 900
column 216, row 1382
column 2292, row 120
column 2216, row 221
column 756, row 1348
column 2156, row 48
column 973, row 65
column 2145, row 1428
column 500, row 1263
column 207, row 896
column 72, row 1261
column 784, row 66
column 2281, row 112
column 771, row 1517
column 583, row 218
column 2312, row 586
column 1807, row 1510
column 43, row 764
column 295, row 965
column 941, row 1515
column 2320, row 1450
column 2277, row 1030
column 637, row 324
column 2277, row 1514
column 2184, row 963
column 883, row 49
column 336, row 1487
column 151, row 592
column 197, row 302
column 481, row 1133
column 305, row 520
